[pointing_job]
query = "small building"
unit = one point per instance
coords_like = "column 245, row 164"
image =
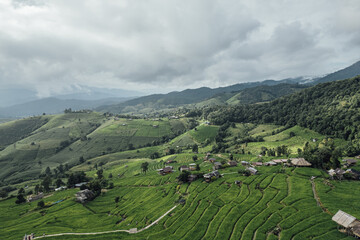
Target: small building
column 300, row 162
column 165, row 170
column 29, row 237
column 252, row 170
column 209, row 176
column 257, row 163
column 237, row 182
column 244, row 163
column 192, row 166
column 232, row 163
column 278, row 161
column 354, row 174
column 349, row 223
column 271, row 163
column 155, row 126
column 80, row 184
column 212, row 159
column 34, row 197
column 84, row 196
column 217, row 165
column 184, row 168
column 192, row 177
column 60, row 188
column 350, row 162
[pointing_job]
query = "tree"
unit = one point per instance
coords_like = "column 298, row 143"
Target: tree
column 21, row 191
column 110, row 175
column 95, row 186
column 46, row 183
column 20, row 199
column 81, row 159
column 99, row 174
column 144, row 166
column 195, row 157
column 171, row 151
column 48, row 171
column 117, row 199
column 59, row 182
column 197, row 167
column 3, row 193
column 111, row 185
column 41, row 204
column 183, row 177
column 195, row 148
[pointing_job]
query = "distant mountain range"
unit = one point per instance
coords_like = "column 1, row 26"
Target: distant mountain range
column 53, row 106
column 21, row 102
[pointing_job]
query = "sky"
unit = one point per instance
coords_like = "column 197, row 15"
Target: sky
column 155, row 46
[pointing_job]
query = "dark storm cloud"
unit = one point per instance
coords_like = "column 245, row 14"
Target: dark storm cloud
column 53, row 46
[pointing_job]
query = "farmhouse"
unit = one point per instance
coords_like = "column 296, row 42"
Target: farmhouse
column 84, row 195
column 208, row 176
column 165, row 170
column 244, row 163
column 271, row 163
column 300, row 162
column 232, row 163
column 192, row 166
column 217, row 165
column 252, row 170
column 257, row 163
column 349, row 223
column 184, row 168
column 35, row 197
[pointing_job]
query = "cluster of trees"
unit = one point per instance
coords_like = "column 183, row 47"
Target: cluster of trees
column 326, row 155
column 278, row 151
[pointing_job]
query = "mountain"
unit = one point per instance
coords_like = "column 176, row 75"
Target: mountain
column 331, row 108
column 170, row 100
column 345, row 73
column 262, row 93
column 16, row 95
column 53, row 106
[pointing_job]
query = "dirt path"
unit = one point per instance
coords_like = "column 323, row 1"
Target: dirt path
column 134, row 230
column 316, row 197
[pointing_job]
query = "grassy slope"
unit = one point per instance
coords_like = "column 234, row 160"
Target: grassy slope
column 40, row 142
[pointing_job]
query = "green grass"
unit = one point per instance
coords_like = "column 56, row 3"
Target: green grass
column 217, row 210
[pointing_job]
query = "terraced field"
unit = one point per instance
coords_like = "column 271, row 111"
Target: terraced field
column 270, row 205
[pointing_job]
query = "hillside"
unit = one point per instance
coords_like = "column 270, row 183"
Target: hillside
column 31, row 145
column 329, row 108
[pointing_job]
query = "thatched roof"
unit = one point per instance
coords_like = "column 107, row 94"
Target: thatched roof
column 343, row 219
column 301, row 162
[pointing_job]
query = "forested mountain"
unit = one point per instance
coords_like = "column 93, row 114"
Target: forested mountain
column 330, row 108
column 188, row 96
column 262, row 93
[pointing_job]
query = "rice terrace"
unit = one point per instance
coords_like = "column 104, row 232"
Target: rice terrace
column 170, row 119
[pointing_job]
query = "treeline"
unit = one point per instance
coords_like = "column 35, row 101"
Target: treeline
column 332, row 109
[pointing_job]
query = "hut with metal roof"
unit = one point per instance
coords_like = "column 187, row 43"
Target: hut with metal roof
column 348, row 222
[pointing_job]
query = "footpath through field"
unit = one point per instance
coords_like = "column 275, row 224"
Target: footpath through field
column 134, row 230
column 318, row 201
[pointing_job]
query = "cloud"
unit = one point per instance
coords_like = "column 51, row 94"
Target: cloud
column 158, row 46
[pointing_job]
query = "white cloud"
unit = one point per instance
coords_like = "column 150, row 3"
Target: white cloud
column 159, row 46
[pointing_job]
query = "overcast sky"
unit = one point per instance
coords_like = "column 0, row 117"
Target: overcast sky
column 158, row 46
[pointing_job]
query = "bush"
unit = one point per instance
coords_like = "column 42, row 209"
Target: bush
column 41, row 204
